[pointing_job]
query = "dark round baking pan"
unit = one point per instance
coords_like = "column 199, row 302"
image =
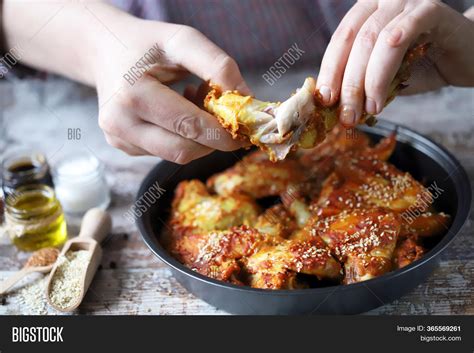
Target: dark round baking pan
column 424, row 159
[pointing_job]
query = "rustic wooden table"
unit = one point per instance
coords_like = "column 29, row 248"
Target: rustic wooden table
column 131, row 280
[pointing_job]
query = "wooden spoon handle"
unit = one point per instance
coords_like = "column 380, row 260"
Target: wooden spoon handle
column 95, row 225
column 10, row 281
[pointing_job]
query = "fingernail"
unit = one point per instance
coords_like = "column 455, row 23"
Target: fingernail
column 325, row 93
column 370, row 106
column 347, row 116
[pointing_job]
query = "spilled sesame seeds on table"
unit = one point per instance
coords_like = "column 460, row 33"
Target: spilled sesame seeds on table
column 131, row 280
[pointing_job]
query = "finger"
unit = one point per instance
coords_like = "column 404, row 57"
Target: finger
column 128, row 148
column 207, row 61
column 197, row 94
column 337, row 52
column 167, row 75
column 166, row 145
column 190, row 93
column 201, row 94
column 428, row 80
column 134, row 136
column 160, row 105
column 352, row 91
column 391, row 47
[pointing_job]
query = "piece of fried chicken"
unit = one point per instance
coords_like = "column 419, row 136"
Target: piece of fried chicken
column 256, row 176
column 365, row 182
column 364, row 240
column 300, row 121
column 217, row 254
column 195, row 209
column 243, row 254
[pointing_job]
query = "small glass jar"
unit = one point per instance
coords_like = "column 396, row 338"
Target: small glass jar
column 34, row 218
column 24, row 167
column 80, row 183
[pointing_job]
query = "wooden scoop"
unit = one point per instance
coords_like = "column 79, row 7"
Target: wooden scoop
column 95, row 226
column 40, row 261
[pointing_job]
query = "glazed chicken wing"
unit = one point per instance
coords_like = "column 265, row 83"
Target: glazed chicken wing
column 216, row 254
column 339, row 140
column 194, row 208
column 276, row 266
column 300, row 121
column 363, row 239
column 276, row 221
column 274, row 127
column 319, row 162
column 360, row 181
column 256, row 176
column 427, row 224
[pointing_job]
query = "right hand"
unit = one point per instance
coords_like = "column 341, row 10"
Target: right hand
column 367, row 48
column 146, row 116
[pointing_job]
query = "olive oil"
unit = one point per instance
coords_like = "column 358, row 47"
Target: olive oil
column 35, row 218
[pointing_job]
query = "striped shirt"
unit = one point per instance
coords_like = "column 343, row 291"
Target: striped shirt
column 254, row 32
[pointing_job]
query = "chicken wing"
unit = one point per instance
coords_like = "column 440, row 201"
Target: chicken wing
column 363, row 239
column 319, row 162
column 195, row 209
column 427, row 224
column 216, row 254
column 276, row 221
column 256, row 176
column 276, row 266
column 361, row 181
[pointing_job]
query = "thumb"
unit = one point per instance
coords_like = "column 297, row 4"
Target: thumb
column 423, row 80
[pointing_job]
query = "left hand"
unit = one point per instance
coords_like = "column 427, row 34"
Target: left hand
column 367, row 48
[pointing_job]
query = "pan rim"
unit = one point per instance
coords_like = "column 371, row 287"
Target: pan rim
column 383, row 127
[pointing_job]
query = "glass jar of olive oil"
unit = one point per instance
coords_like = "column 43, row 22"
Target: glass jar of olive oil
column 34, row 217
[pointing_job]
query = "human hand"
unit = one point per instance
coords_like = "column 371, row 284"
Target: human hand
column 367, row 48
column 147, row 117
